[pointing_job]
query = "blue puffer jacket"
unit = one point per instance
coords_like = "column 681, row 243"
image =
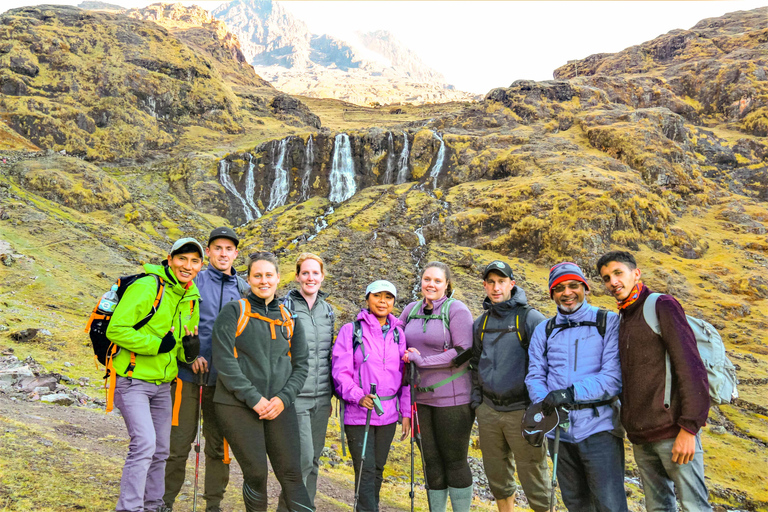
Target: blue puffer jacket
column 216, row 290
column 578, row 356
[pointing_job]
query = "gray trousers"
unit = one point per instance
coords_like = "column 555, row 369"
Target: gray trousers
column 313, row 415
column 661, row 477
column 146, row 409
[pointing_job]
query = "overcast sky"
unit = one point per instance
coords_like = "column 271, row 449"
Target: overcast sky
column 481, row 45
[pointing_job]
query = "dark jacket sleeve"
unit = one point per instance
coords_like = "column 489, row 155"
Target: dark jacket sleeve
column 688, row 371
column 477, row 349
column 299, row 364
column 223, row 347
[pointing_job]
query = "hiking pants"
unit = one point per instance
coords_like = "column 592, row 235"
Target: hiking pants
column 146, row 410
column 252, row 440
column 504, row 450
column 376, row 453
column 445, row 435
column 185, row 402
column 590, row 473
column 313, row 414
column 662, row 477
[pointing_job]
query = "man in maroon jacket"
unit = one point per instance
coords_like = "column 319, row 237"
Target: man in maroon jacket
column 665, row 440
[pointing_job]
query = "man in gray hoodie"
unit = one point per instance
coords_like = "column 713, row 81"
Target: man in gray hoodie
column 499, row 396
column 218, row 285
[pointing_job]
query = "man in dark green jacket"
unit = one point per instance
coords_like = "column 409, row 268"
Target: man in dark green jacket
column 146, row 364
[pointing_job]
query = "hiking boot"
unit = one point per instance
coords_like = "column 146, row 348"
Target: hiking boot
column 213, row 509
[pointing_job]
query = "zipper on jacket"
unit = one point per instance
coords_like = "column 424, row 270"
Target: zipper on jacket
column 576, row 355
column 221, row 293
column 170, row 357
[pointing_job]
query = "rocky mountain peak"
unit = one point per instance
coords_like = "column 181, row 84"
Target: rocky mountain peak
column 371, row 67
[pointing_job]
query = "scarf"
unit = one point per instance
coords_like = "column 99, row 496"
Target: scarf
column 632, row 298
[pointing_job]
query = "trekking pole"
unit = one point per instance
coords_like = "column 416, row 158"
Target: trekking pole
column 365, row 445
column 421, row 449
column 552, row 501
column 199, row 377
column 412, row 379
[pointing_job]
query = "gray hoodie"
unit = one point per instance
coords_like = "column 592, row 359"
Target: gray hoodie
column 500, row 360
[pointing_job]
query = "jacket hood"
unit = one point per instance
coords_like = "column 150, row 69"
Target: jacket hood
column 370, row 319
column 219, row 274
column 191, row 291
column 502, row 308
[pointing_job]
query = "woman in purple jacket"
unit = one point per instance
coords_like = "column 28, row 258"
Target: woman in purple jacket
column 439, row 329
column 369, row 351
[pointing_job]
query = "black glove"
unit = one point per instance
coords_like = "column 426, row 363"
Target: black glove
column 557, row 398
column 167, row 343
column 191, row 344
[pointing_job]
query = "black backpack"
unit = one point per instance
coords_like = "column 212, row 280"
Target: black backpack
column 103, row 348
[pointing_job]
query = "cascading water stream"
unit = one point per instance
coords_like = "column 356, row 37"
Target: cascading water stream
column 417, row 254
column 281, row 186
column 402, row 163
column 390, row 159
column 250, row 187
column 309, row 159
column 226, row 180
column 321, row 223
column 342, row 176
column 435, row 172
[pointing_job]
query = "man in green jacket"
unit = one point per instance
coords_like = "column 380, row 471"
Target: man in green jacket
column 146, row 364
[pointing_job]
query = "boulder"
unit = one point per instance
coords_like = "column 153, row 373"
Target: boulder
column 58, row 399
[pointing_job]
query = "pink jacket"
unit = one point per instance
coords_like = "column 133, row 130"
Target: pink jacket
column 383, row 366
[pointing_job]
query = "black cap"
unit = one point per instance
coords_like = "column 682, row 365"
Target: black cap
column 223, row 232
column 536, row 424
column 500, row 267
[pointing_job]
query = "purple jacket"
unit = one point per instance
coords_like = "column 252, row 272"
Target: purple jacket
column 384, row 367
column 435, row 361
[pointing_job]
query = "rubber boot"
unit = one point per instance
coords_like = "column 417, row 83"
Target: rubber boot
column 438, row 500
column 461, row 499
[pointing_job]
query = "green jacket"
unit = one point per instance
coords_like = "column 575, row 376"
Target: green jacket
column 263, row 367
column 178, row 308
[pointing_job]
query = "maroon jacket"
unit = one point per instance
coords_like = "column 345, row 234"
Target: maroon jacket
column 643, row 372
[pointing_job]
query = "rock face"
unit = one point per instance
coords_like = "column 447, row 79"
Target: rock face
column 373, row 68
column 717, row 68
column 107, row 85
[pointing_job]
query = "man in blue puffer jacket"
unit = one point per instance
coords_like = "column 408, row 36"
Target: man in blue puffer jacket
column 574, row 362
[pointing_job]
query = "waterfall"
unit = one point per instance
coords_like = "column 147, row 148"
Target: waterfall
column 309, row 159
column 402, row 163
column 226, row 180
column 420, row 234
column 342, row 170
column 250, row 187
column 321, row 223
column 390, row 159
column 281, row 186
column 435, row 172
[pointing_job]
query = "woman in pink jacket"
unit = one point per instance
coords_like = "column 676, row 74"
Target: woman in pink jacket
column 369, row 351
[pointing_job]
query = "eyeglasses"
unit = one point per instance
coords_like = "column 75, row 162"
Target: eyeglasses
column 571, row 286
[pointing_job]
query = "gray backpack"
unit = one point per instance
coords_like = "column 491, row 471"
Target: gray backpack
column 720, row 370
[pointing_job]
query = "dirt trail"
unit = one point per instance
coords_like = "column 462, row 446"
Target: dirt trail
column 103, row 436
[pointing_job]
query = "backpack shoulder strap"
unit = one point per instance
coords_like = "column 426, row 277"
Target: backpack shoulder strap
column 445, row 313
column 155, row 304
column 245, row 314
column 602, row 321
column 649, row 313
column 242, row 286
column 550, row 326
column 520, row 317
column 414, row 311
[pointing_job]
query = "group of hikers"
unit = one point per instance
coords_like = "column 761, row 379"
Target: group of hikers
column 263, row 370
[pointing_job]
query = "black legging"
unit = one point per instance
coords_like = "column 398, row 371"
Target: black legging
column 445, row 435
column 376, row 453
column 252, row 440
